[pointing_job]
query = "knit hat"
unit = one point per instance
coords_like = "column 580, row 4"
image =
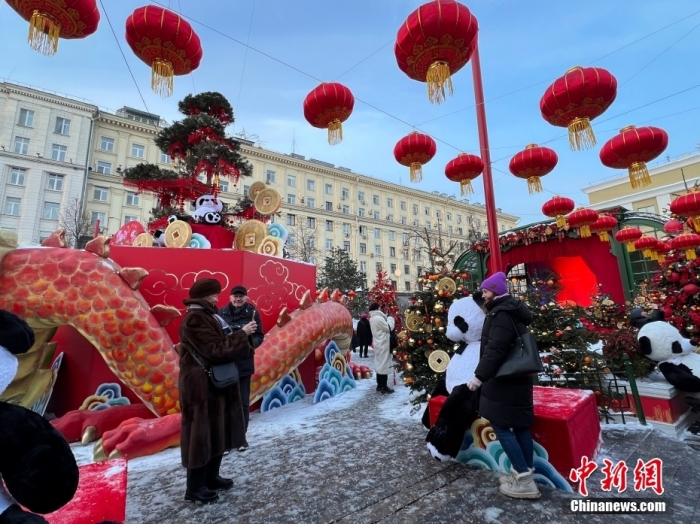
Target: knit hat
column 364, row 315
column 239, row 290
column 15, row 334
column 496, row 283
column 205, row 287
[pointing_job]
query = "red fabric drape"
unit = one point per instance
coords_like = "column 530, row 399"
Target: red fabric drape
column 219, row 236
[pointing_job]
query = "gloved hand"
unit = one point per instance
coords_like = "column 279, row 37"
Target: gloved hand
column 461, row 324
column 474, row 384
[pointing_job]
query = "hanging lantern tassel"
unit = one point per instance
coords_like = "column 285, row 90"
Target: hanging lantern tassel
column 438, row 78
column 696, row 223
column 690, row 254
column 603, row 236
column 534, row 184
column 466, row 187
column 584, row 231
column 416, row 172
column 43, row 33
column 639, row 174
column 335, row 132
column 648, row 254
column 581, row 134
column 162, row 77
column 561, row 221
column 630, row 247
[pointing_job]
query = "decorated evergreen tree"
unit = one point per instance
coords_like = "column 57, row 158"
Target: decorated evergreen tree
column 339, row 271
column 384, row 294
column 604, row 314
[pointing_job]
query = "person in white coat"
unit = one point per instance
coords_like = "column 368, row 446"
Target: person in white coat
column 382, row 352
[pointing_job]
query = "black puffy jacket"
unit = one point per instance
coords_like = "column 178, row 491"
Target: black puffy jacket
column 237, row 318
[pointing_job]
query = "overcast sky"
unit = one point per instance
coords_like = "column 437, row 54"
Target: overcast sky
column 524, row 47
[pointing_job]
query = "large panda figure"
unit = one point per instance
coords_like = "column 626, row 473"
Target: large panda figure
column 208, row 210
column 676, row 357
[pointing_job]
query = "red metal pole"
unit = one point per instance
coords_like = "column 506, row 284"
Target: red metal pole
column 494, row 244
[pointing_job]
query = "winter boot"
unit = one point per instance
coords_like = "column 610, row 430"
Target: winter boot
column 520, row 486
column 503, row 479
column 216, row 482
column 383, row 388
column 197, row 491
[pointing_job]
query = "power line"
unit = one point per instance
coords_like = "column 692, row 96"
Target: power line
column 364, row 59
column 245, row 60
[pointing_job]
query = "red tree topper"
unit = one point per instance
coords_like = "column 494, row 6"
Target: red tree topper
column 632, row 149
column 464, row 169
column 327, row 107
column 50, row 20
column 435, row 42
column 575, row 99
column 557, row 208
column 532, row 163
column 166, row 42
column 413, row 151
column 628, row 235
column 582, row 219
column 604, row 225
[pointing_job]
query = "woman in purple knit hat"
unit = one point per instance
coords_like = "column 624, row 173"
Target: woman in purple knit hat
column 506, row 402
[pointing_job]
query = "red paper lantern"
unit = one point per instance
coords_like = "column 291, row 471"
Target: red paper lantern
column 464, row 169
column 673, row 227
column 583, row 218
column 557, row 208
column 351, row 294
column 532, row 163
column 164, row 41
column 647, row 245
column 327, row 107
column 604, row 225
column 688, row 205
column 662, row 250
column 632, row 149
column 413, row 151
column 435, row 42
column 575, row 99
column 628, row 235
column 687, row 242
column 50, row 20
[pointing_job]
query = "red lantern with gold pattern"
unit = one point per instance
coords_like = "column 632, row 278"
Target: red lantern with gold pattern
column 583, row 218
column 464, row 169
column 662, row 249
column 327, row 107
column 628, row 235
column 435, row 42
column 557, row 208
column 575, row 99
column 632, row 149
column 687, row 242
column 413, row 151
column 50, row 20
column 647, row 245
column 688, row 205
column 604, row 225
column 673, row 227
column 532, row 163
column 164, row 41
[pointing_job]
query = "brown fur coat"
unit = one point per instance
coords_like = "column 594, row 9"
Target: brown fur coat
column 212, row 419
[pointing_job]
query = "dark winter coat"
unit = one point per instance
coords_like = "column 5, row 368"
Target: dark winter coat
column 212, row 419
column 364, row 333
column 638, row 321
column 236, row 318
column 504, row 401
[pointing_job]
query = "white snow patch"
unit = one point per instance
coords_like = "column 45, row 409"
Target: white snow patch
column 492, row 514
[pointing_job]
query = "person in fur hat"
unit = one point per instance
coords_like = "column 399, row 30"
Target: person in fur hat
column 36, row 462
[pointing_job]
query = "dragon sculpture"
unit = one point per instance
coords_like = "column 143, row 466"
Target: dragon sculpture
column 51, row 286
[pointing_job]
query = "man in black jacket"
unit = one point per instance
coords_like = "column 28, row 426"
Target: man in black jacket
column 237, row 314
column 639, row 318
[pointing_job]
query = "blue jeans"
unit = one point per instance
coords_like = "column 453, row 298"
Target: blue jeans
column 517, row 445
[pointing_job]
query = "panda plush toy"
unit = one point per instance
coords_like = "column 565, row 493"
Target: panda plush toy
column 676, row 357
column 36, row 463
column 208, row 210
column 465, row 320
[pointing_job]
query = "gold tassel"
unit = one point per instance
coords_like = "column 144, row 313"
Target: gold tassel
column 561, row 221
column 647, row 254
column 466, row 187
column 43, row 33
column 534, row 184
column 690, row 254
column 216, row 180
column 438, row 78
column 630, row 247
column 581, row 134
column 603, row 236
column 585, row 231
column 639, row 175
column 696, row 223
column 335, row 132
column 416, row 172
column 162, row 77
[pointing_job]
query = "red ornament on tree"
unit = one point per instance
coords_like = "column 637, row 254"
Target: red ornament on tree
column 50, row 20
column 688, row 205
column 687, row 242
column 435, row 42
column 413, row 151
column 532, row 163
column 327, row 107
column 628, row 235
column 464, row 169
column 673, row 227
column 604, row 225
column 557, row 208
column 166, row 42
column 575, row 99
column 583, row 218
column 632, row 149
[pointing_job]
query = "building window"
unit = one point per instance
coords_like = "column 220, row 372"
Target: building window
column 427, row 225
column 392, row 251
column 403, row 205
column 415, row 209
column 106, row 144
column 346, row 210
column 375, row 199
column 478, row 223
column 138, row 151
column 291, row 199
column 95, row 217
column 100, row 194
column 415, row 222
column 329, row 225
column 459, row 219
column 363, row 231
column 405, row 254
column 449, row 228
column 449, row 216
column 377, row 233
column 363, row 248
column 345, row 192
column 12, row 206
column 291, row 181
column 246, row 189
column 51, row 211
column 311, row 223
column 376, row 215
column 408, row 286
column 62, row 126
column 438, row 215
column 390, row 218
column 346, row 246
column 459, row 230
column 363, row 266
column 329, row 206
column 291, row 220
column 329, row 243
column 104, row 168
column 54, row 182
column 58, row 152
column 329, row 189
column 346, row 228
column 427, row 211
column 21, row 145
column 361, row 196
column 646, row 209
column 130, row 218
column 361, row 211
column 270, row 176
column 311, row 241
column 292, row 240
column 311, row 185
column 165, row 158
column 378, row 266
column 26, row 117
column 132, row 199
column 310, row 202
column 404, row 237
column 403, row 220
column 503, row 227
column 406, row 269
column 392, row 235
column 377, row 249
column 223, row 186
column 18, row 176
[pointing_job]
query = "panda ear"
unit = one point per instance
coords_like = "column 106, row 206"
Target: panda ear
column 645, row 345
column 676, row 348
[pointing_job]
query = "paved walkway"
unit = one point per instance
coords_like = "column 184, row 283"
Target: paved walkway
column 361, row 458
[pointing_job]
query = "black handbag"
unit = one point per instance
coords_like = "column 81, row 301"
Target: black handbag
column 221, row 376
column 523, row 358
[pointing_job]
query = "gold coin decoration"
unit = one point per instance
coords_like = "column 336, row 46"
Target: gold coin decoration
column 414, row 321
column 255, row 188
column 447, row 284
column 250, row 235
column 438, row 360
column 267, row 202
column 178, row 234
column 271, row 246
column 143, row 240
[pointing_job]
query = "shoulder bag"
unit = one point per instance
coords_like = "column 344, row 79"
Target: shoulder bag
column 221, row 376
column 523, row 358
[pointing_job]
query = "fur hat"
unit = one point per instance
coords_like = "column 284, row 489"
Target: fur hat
column 15, row 334
column 205, row 287
column 496, row 283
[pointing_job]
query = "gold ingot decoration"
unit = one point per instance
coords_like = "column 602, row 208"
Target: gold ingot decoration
column 267, row 202
column 143, row 240
column 250, row 235
column 414, row 322
column 255, row 188
column 439, row 360
column 447, row 284
column 178, row 234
